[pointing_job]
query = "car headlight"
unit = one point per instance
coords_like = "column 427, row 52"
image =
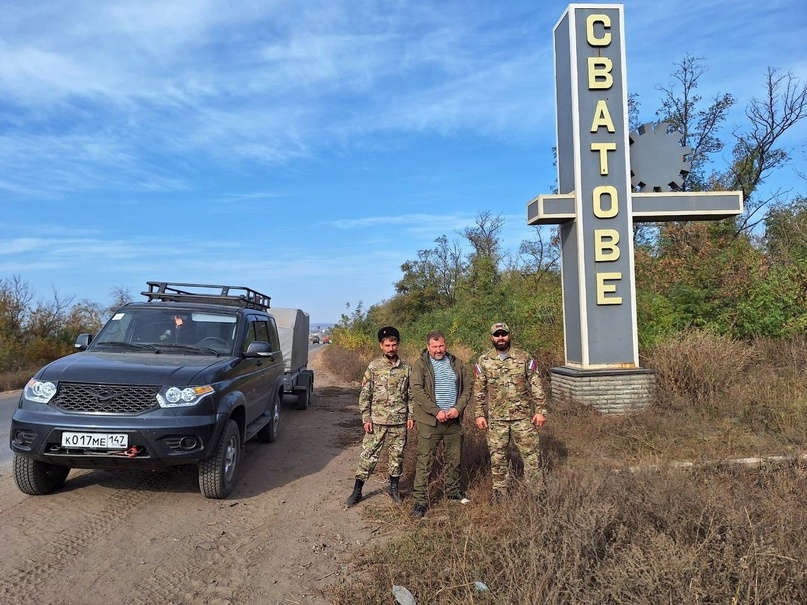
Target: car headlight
column 175, row 397
column 40, row 391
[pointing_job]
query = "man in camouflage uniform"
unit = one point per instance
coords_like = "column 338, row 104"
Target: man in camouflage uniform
column 510, row 404
column 385, row 414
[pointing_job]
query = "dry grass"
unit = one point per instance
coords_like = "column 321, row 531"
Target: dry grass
column 16, row 379
column 708, row 536
column 713, row 533
column 348, row 365
column 698, row 368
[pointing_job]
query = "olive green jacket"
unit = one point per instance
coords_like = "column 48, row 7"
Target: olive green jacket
column 421, row 382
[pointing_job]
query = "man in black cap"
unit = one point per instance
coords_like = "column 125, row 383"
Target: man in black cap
column 385, row 414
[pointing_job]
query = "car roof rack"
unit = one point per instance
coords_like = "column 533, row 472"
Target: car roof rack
column 234, row 296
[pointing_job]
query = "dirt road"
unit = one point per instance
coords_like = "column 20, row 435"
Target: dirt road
column 111, row 537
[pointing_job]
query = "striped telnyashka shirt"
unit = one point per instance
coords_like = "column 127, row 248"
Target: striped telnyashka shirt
column 445, row 383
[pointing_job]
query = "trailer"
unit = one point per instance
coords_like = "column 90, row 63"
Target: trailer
column 293, row 329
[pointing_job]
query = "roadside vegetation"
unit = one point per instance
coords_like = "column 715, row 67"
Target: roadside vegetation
column 654, row 507
column 698, row 499
column 35, row 331
column 722, row 310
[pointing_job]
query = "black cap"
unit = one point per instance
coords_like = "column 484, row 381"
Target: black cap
column 388, row 332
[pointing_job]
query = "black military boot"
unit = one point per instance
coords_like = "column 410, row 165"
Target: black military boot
column 355, row 497
column 393, row 490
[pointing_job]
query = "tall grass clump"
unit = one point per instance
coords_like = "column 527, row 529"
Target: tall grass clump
column 748, row 391
column 347, row 364
column 773, row 394
column 697, row 368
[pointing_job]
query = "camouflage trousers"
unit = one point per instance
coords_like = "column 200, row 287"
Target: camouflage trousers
column 394, row 436
column 523, row 435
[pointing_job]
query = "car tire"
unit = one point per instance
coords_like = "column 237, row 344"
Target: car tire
column 217, row 473
column 268, row 434
column 304, row 397
column 37, row 478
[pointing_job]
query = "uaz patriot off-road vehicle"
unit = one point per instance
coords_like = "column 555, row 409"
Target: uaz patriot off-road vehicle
column 185, row 377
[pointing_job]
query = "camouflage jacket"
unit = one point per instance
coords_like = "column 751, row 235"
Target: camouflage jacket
column 384, row 397
column 507, row 389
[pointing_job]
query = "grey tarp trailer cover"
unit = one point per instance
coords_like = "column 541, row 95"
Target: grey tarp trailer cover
column 292, row 328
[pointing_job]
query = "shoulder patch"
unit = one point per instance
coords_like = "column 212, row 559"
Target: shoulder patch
column 532, row 365
column 477, row 370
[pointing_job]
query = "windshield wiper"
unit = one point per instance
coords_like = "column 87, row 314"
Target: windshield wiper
column 189, row 348
column 119, row 344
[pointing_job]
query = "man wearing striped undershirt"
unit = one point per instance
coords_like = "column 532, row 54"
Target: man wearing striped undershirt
column 441, row 389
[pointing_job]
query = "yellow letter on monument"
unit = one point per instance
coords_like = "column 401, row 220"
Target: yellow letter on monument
column 605, row 245
column 599, row 73
column 596, row 198
column 591, row 38
column 604, row 289
column 602, row 117
column 603, row 148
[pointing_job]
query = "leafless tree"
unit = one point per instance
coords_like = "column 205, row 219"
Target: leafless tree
column 755, row 153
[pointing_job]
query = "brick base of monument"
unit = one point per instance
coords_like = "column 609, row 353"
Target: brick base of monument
column 608, row 391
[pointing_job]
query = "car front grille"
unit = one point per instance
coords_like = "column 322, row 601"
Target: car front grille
column 105, row 398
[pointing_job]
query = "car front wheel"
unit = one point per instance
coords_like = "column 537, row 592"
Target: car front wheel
column 37, row 478
column 217, row 473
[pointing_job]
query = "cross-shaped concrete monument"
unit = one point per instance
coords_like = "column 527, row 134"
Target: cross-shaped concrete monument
column 596, row 207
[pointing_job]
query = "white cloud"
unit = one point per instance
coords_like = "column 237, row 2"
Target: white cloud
column 331, row 139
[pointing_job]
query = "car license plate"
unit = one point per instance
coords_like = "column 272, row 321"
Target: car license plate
column 101, row 441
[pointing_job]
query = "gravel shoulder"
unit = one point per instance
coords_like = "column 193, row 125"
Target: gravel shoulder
column 151, row 537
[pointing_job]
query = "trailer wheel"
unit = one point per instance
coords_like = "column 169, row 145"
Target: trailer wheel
column 304, row 397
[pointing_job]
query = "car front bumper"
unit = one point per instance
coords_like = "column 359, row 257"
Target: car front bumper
column 153, row 442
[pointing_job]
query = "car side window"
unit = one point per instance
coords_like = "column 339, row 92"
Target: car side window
column 261, row 331
column 249, row 337
column 273, row 338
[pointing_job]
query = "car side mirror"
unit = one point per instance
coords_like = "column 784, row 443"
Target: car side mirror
column 83, row 341
column 258, row 348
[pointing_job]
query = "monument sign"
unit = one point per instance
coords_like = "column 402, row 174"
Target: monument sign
column 600, row 164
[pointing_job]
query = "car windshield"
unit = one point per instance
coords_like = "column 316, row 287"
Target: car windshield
column 168, row 330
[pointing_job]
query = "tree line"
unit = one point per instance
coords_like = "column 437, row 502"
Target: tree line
column 36, row 331
column 743, row 277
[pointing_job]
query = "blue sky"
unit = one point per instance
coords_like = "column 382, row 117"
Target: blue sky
column 307, row 148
